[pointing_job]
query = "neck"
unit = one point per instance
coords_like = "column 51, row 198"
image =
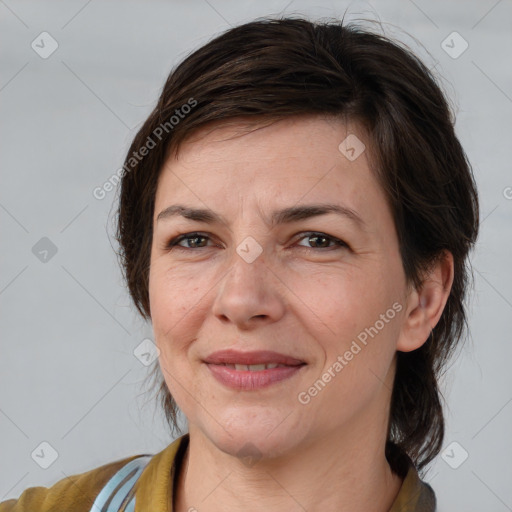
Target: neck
column 334, row 472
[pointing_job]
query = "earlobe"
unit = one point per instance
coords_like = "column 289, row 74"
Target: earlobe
column 425, row 307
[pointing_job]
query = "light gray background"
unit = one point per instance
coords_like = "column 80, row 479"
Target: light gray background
column 68, row 329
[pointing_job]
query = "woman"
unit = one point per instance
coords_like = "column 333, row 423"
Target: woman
column 295, row 220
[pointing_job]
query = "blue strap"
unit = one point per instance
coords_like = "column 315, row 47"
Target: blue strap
column 118, row 487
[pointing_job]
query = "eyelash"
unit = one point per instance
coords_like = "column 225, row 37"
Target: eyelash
column 173, row 242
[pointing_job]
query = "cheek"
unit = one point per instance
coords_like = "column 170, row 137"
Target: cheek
column 178, row 303
column 172, row 295
column 357, row 345
column 352, row 314
column 342, row 301
column 172, row 301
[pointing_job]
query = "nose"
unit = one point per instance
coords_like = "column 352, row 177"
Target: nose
column 249, row 294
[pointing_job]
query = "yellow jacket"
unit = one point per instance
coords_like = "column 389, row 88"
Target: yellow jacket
column 154, row 488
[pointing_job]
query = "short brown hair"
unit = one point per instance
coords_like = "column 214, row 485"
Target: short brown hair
column 277, row 68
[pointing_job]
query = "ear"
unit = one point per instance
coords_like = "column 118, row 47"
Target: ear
column 425, row 306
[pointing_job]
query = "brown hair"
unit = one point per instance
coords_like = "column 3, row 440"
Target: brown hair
column 276, row 68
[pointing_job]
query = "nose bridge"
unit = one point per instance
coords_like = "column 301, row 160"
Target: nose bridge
column 248, row 269
column 249, row 288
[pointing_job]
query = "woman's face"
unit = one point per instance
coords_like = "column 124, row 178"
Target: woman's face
column 326, row 290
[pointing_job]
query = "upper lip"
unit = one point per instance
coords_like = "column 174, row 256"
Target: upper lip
column 231, row 356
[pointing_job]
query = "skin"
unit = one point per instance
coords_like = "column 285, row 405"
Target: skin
column 301, row 299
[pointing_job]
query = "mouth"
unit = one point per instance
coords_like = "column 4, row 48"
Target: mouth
column 246, row 371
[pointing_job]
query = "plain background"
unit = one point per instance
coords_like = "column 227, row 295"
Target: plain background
column 68, row 374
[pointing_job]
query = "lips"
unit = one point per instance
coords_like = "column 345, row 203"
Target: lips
column 260, row 357
column 252, row 371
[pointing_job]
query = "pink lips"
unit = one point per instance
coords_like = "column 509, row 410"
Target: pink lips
column 230, row 356
column 251, row 379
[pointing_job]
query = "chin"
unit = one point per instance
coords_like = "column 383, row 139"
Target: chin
column 264, row 437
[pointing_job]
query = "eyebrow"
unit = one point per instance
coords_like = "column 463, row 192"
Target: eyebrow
column 284, row 216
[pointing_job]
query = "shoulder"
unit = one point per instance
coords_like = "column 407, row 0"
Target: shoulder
column 414, row 495
column 76, row 492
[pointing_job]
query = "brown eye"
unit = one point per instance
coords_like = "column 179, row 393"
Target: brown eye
column 194, row 240
column 322, row 241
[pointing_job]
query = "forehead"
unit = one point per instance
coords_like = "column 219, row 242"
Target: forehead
column 283, row 163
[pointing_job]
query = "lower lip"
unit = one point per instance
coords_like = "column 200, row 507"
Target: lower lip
column 248, row 380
